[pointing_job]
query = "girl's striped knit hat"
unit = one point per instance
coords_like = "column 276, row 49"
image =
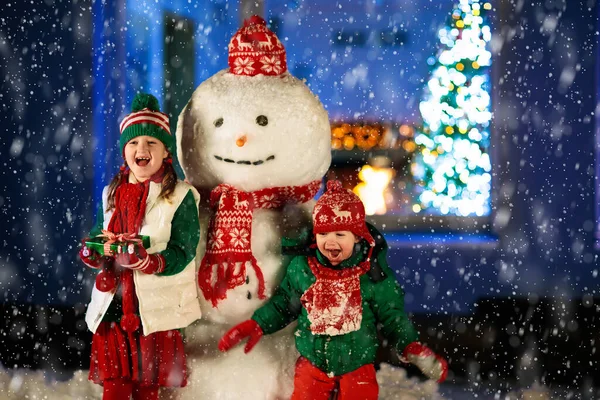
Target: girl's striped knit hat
column 146, row 120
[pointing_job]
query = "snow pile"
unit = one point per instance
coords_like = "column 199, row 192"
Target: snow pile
column 394, row 385
column 26, row 384
column 536, row 392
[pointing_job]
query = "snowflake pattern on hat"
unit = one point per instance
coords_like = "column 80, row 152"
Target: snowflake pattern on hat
column 243, row 66
column 256, row 50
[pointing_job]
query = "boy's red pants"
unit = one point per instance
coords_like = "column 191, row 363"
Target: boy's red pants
column 310, row 383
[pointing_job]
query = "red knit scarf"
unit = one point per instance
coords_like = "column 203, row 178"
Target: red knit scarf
column 130, row 210
column 334, row 302
column 228, row 249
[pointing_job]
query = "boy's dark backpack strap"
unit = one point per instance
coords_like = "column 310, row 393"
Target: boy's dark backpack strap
column 379, row 256
column 298, row 250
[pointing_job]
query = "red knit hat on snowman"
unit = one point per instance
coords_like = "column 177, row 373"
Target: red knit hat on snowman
column 256, row 50
column 339, row 209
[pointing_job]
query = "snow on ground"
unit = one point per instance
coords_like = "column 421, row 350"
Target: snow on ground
column 26, row 384
column 32, row 385
column 393, row 385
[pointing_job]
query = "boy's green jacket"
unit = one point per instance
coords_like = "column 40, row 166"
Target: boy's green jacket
column 382, row 304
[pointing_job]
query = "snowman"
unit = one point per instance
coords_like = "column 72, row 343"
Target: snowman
column 258, row 141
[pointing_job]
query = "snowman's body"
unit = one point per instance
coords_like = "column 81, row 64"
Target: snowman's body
column 267, row 371
column 268, row 227
column 292, row 149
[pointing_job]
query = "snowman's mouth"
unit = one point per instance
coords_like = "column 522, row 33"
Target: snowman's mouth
column 244, row 162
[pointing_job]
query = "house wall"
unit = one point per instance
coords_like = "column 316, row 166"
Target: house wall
column 544, row 148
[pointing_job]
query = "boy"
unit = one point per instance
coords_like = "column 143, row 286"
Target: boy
column 338, row 306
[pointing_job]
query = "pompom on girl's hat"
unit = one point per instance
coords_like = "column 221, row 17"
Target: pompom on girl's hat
column 146, row 120
column 256, row 50
column 339, row 209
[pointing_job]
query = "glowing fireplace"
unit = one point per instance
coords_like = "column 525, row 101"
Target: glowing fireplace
column 373, row 190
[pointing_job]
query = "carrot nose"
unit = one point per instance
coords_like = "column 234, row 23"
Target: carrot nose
column 241, row 141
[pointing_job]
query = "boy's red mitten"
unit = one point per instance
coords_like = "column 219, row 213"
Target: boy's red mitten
column 247, row 329
column 431, row 364
column 135, row 257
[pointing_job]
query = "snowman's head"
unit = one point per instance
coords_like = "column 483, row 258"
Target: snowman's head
column 254, row 126
column 253, row 132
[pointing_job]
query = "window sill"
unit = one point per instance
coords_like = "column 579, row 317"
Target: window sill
column 419, row 240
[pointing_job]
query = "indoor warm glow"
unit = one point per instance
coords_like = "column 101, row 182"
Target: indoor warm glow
column 372, row 189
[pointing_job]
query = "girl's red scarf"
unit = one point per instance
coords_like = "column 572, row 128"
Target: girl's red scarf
column 228, row 249
column 130, row 210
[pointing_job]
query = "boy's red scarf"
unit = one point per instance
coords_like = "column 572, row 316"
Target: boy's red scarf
column 334, row 302
column 230, row 233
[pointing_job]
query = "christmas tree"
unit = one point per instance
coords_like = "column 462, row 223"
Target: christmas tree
column 452, row 165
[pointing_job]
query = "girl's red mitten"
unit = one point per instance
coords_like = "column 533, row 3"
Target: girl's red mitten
column 135, row 257
column 91, row 258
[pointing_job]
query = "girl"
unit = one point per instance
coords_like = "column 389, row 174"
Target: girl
column 143, row 296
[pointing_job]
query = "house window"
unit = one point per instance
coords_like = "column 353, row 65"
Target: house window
column 409, row 103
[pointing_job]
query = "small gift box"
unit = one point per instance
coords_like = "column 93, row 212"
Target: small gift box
column 108, row 243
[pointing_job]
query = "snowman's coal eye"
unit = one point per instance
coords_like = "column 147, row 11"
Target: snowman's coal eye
column 262, row 120
column 218, row 122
